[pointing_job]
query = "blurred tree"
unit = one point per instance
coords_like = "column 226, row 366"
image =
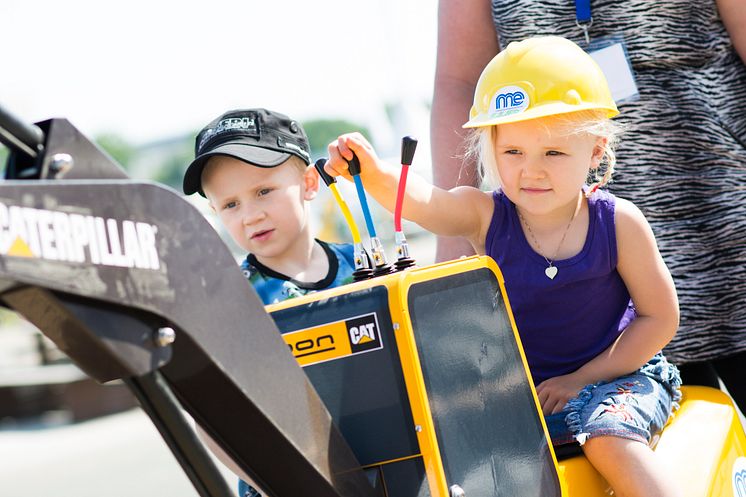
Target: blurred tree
column 171, row 171
column 119, row 149
column 322, row 131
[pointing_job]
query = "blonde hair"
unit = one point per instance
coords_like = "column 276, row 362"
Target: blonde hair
column 481, row 146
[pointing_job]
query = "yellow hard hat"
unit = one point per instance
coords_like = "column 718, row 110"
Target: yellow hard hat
column 539, row 77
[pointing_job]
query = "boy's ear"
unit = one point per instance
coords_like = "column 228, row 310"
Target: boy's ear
column 311, row 182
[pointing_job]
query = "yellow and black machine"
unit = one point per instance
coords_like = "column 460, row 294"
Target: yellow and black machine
column 439, row 400
column 407, row 384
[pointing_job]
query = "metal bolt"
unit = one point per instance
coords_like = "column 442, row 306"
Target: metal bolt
column 164, row 336
column 60, row 164
column 418, row 428
column 396, row 326
column 456, row 491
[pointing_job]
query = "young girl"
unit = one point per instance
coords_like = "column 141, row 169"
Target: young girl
column 592, row 298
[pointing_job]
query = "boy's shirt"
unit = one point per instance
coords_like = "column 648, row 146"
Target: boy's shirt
column 274, row 287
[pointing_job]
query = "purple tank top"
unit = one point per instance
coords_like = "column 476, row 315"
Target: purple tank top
column 567, row 321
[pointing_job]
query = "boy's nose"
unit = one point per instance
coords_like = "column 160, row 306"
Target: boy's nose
column 253, row 216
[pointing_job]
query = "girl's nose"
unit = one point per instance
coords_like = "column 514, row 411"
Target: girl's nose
column 533, row 169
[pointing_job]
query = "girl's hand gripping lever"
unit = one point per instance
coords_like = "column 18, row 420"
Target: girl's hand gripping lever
column 379, row 257
column 363, row 268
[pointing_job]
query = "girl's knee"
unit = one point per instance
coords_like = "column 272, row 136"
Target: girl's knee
column 613, row 447
column 631, row 467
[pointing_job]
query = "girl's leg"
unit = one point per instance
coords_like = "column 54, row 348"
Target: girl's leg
column 630, row 467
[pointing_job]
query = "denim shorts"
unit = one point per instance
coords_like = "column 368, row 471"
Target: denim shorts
column 635, row 406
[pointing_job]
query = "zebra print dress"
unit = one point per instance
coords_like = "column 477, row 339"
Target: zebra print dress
column 682, row 159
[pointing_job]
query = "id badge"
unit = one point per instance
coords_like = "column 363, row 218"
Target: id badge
column 611, row 54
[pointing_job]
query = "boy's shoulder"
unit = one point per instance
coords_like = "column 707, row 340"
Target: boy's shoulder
column 248, row 269
column 273, row 287
column 341, row 250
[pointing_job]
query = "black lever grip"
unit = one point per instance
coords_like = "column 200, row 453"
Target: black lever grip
column 354, row 165
column 408, row 146
column 328, row 178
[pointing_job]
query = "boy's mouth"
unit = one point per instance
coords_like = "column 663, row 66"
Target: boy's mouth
column 261, row 235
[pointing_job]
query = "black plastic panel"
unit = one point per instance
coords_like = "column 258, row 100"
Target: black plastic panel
column 488, row 428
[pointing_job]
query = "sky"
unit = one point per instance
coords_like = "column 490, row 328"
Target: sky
column 154, row 69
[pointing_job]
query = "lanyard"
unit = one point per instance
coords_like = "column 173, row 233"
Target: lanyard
column 583, row 17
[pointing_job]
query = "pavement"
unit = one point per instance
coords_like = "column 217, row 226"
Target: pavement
column 120, row 455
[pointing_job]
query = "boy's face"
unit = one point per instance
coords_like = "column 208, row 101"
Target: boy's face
column 263, row 209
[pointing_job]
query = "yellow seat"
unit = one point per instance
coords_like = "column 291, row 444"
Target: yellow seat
column 704, row 439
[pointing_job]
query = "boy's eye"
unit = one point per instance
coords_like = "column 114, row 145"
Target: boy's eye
column 554, row 152
column 230, row 205
column 264, row 191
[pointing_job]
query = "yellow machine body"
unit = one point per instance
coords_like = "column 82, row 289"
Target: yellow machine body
column 424, row 374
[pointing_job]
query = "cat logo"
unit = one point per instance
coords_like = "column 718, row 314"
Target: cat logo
column 363, row 333
column 334, row 340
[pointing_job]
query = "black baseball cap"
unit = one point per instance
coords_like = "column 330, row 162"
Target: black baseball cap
column 259, row 137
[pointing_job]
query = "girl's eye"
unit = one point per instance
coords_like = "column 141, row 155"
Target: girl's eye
column 554, row 152
column 264, row 191
column 512, row 152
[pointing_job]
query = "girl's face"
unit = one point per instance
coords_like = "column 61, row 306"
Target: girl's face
column 543, row 166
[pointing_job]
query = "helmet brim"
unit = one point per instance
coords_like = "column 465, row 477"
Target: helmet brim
column 539, row 111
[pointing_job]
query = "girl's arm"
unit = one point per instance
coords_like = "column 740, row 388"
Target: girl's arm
column 653, row 293
column 462, row 211
column 652, row 290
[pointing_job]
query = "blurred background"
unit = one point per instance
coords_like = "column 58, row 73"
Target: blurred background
column 140, row 79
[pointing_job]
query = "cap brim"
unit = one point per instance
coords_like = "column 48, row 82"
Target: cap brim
column 255, row 156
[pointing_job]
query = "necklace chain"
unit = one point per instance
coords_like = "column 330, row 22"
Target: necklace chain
column 551, row 270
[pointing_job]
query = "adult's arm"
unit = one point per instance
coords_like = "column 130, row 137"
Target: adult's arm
column 733, row 15
column 467, row 41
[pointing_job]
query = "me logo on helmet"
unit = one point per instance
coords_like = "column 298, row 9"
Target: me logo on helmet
column 739, row 477
column 509, row 100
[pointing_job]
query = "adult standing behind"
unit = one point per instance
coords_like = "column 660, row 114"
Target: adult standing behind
column 682, row 159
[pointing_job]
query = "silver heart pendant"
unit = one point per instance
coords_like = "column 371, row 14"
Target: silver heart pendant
column 551, row 272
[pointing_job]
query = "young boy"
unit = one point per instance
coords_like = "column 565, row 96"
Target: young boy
column 254, row 167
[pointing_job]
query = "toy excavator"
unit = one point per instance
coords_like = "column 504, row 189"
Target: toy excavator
column 407, row 383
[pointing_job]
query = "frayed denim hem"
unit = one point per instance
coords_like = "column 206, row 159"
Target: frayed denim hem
column 667, row 375
column 575, row 405
column 614, row 433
